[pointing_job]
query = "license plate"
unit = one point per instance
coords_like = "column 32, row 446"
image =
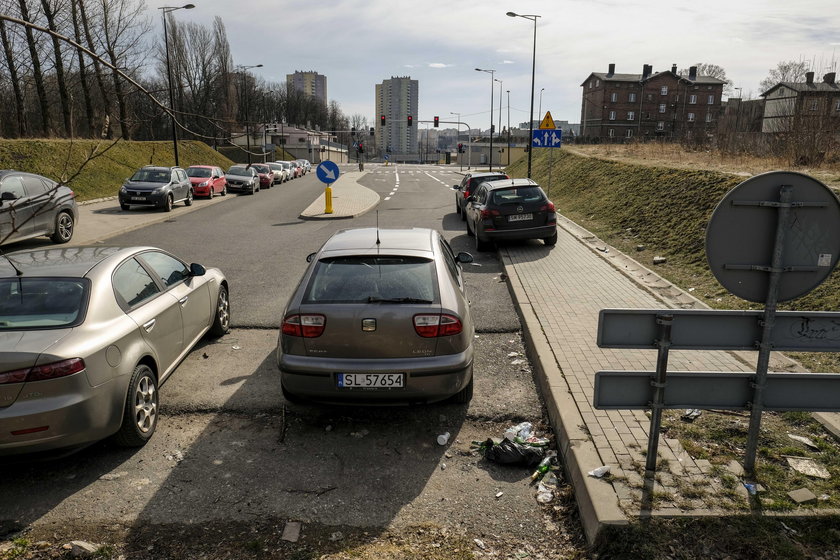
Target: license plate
column 370, row 380
column 138, row 198
column 520, row 217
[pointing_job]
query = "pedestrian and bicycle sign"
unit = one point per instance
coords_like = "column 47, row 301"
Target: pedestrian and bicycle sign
column 547, row 139
column 327, row 171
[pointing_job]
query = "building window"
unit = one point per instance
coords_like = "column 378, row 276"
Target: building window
column 691, row 117
column 631, row 115
column 661, row 107
column 660, row 125
column 663, row 90
column 631, row 97
column 692, row 99
column 629, row 133
column 650, row 97
column 711, row 100
column 837, row 106
column 590, row 84
column 597, row 83
column 613, row 97
column 813, row 105
column 708, row 117
column 611, row 132
column 612, row 115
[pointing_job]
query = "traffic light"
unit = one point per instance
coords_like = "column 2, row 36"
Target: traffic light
column 372, row 133
column 353, row 131
column 410, row 120
column 382, row 120
column 437, row 121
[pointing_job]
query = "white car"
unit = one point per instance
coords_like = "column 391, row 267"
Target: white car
column 281, row 175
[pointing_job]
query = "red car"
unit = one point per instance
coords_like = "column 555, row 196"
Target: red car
column 266, row 175
column 207, row 180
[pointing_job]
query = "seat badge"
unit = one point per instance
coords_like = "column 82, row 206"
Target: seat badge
column 519, row 209
column 368, row 325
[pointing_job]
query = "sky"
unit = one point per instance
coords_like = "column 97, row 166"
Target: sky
column 357, row 44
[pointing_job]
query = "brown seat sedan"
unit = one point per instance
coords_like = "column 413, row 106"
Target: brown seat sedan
column 380, row 317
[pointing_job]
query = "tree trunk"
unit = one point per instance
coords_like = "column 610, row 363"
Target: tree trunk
column 97, row 70
column 36, row 71
column 82, row 69
column 13, row 75
column 64, row 97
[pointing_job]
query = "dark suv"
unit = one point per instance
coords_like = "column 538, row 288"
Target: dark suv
column 156, row 186
column 468, row 185
column 510, row 209
column 32, row 205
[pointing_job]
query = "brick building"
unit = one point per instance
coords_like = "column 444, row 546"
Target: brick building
column 649, row 105
column 797, row 106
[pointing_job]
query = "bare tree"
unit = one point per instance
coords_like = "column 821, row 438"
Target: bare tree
column 713, row 71
column 83, row 83
column 785, row 71
column 36, row 70
column 51, row 7
column 13, row 78
column 87, row 26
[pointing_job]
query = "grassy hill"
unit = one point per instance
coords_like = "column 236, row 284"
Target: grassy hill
column 666, row 209
column 96, row 169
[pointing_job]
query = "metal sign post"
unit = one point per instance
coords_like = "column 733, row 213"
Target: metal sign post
column 664, row 342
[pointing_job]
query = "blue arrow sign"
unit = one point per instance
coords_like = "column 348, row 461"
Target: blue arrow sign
column 547, row 139
column 327, row 171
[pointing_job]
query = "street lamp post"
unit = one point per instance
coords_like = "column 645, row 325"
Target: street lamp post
column 533, row 18
column 458, row 140
column 539, row 111
column 165, row 10
column 500, row 116
column 492, row 77
column 243, row 69
column 508, row 107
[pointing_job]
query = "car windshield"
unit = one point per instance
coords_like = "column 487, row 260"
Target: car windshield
column 376, row 278
column 198, row 172
column 27, row 303
column 518, row 195
column 152, row 176
column 237, row 170
column 275, row 166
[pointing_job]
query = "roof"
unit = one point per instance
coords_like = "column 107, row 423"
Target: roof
column 606, row 77
column 806, row 87
column 504, row 183
column 364, row 239
column 72, row 262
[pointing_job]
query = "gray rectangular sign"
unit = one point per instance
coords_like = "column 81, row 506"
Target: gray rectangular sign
column 693, row 329
column 632, row 390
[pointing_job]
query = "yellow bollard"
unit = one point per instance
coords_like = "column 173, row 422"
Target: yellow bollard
column 328, row 199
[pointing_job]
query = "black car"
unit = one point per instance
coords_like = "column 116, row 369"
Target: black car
column 243, row 178
column 510, row 209
column 156, row 186
column 32, row 205
column 468, row 185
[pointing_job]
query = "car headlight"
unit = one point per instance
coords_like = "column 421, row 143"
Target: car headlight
column 157, row 191
column 204, row 184
column 123, row 190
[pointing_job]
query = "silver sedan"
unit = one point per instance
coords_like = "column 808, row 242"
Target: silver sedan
column 88, row 334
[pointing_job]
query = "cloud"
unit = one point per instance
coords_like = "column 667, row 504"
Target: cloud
column 508, row 62
column 440, row 65
column 409, row 66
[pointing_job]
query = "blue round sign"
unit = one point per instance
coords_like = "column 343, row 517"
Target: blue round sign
column 327, row 171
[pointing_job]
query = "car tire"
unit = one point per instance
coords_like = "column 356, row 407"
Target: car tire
column 221, row 320
column 465, row 395
column 64, row 225
column 552, row 240
column 167, row 206
column 189, row 200
column 124, row 206
column 458, row 209
column 140, row 416
column 224, row 191
column 481, row 244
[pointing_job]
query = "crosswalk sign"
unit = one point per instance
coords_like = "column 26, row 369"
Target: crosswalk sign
column 547, row 122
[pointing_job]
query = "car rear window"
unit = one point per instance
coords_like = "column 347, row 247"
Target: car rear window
column 360, row 279
column 198, row 172
column 517, row 195
column 31, row 303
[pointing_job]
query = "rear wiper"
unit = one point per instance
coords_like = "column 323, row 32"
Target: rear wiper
column 373, row 299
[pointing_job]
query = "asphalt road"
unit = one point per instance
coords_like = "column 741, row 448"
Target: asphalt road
column 228, row 448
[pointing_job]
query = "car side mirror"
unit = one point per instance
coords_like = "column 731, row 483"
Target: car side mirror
column 456, row 187
column 8, row 196
column 464, row 257
column 197, row 270
column 309, row 257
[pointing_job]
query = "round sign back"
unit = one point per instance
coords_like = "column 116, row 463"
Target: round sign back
column 741, row 236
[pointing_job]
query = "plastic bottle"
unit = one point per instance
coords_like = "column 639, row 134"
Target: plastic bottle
column 521, row 430
column 443, row 438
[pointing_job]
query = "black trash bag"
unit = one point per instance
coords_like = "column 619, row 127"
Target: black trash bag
column 511, row 453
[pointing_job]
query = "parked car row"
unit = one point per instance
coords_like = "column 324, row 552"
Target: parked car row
column 32, row 206
column 163, row 187
column 496, row 207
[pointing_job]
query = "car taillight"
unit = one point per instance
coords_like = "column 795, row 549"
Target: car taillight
column 306, row 326
column 440, row 324
column 466, row 193
column 44, row 372
column 548, row 207
column 489, row 213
